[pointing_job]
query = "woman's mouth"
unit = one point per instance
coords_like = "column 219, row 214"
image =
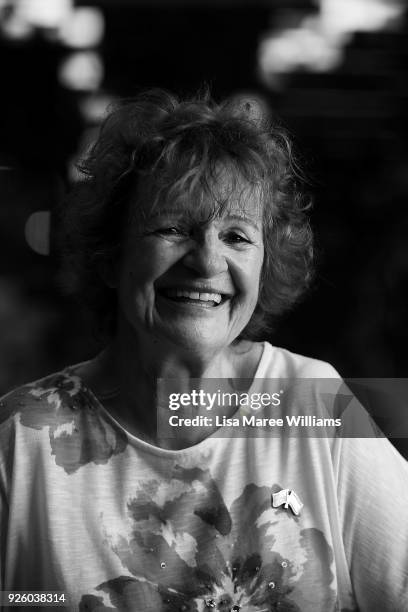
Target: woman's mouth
column 204, row 299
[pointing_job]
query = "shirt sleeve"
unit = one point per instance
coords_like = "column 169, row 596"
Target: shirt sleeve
column 373, row 506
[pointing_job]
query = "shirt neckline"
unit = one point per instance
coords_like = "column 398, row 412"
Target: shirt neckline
column 212, row 439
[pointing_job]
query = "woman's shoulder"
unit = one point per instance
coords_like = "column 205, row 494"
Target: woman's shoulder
column 25, row 412
column 278, row 362
column 54, row 421
column 38, row 401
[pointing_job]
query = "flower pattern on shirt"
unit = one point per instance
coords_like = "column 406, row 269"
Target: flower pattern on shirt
column 77, row 434
column 186, row 550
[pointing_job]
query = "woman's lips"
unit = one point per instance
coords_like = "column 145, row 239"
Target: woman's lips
column 199, row 298
column 193, row 295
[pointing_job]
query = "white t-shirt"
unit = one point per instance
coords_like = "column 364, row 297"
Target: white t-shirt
column 118, row 524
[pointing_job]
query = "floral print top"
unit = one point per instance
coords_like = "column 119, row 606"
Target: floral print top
column 115, row 523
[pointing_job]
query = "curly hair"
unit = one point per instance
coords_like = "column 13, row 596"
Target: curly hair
column 178, row 147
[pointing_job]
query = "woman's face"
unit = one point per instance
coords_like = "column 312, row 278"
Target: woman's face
column 192, row 283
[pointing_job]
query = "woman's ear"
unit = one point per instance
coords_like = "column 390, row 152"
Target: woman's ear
column 109, row 272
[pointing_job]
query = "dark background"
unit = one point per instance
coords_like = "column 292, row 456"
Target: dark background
column 350, row 123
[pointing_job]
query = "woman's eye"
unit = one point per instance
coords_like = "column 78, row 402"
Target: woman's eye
column 235, row 238
column 170, row 231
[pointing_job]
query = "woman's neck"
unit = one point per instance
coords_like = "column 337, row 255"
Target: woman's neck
column 133, row 379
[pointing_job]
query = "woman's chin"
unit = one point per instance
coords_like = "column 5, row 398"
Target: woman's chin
column 198, row 339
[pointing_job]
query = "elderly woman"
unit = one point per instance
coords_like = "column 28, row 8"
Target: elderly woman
column 188, row 237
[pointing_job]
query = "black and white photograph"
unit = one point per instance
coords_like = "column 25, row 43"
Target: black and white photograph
column 203, row 328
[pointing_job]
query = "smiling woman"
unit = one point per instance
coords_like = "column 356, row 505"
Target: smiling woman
column 190, row 281
column 188, row 238
column 173, row 166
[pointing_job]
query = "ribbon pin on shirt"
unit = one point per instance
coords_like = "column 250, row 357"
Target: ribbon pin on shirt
column 289, row 499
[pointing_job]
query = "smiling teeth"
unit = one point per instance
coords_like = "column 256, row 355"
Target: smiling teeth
column 195, row 295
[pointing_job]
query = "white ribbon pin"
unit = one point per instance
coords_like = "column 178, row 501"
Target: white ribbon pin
column 289, row 499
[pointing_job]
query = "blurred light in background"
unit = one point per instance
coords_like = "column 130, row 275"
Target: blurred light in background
column 84, row 27
column 57, row 20
column 317, row 43
column 94, row 107
column 16, row 29
column 81, row 71
column 304, row 47
column 44, row 13
column 37, row 231
column 12, row 24
column 343, row 16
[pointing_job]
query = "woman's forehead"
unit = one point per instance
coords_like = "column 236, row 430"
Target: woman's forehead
column 250, row 209
column 233, row 199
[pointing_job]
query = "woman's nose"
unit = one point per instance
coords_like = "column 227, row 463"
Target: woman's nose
column 206, row 256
